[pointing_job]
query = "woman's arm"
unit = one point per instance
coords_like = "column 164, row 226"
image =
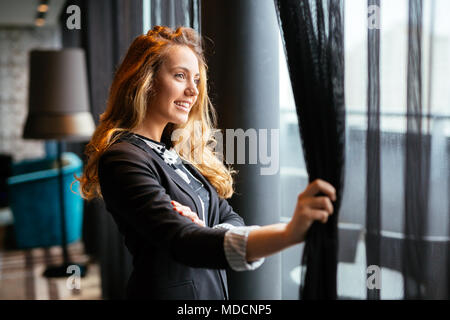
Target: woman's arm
column 271, row 239
column 227, row 214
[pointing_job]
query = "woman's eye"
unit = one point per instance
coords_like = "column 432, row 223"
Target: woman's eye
column 182, row 76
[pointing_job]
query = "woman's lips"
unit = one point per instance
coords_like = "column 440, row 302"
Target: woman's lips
column 182, row 107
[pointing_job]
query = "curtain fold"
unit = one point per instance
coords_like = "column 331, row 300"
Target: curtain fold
column 173, row 13
column 407, row 155
column 417, row 165
column 373, row 173
column 415, row 253
column 404, row 205
column 312, row 34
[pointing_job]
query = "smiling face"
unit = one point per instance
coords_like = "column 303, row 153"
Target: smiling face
column 176, row 86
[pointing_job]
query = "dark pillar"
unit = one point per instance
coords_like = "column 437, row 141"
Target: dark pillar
column 243, row 73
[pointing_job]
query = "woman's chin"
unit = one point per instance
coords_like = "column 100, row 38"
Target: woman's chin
column 180, row 120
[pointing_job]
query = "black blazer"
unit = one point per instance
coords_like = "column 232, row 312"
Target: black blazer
column 173, row 258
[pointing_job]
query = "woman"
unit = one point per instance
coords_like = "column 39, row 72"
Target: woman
column 166, row 192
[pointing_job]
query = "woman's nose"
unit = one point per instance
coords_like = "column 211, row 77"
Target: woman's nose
column 192, row 89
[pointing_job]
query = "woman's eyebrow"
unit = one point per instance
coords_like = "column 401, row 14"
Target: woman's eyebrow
column 185, row 69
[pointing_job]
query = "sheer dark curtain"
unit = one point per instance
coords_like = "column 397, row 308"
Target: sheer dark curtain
column 173, row 13
column 312, row 33
column 373, row 174
column 417, row 164
column 419, row 249
column 397, row 120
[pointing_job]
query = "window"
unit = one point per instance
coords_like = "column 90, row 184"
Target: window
column 393, row 67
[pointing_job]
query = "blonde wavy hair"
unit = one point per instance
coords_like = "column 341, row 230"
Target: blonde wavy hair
column 129, row 96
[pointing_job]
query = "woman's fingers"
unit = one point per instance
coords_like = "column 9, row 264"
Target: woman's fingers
column 200, row 222
column 318, row 186
column 175, row 203
column 179, row 206
column 322, row 203
column 319, row 215
column 187, row 212
column 317, row 208
column 311, row 207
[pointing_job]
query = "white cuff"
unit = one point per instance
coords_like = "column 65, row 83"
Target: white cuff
column 235, row 245
column 224, row 226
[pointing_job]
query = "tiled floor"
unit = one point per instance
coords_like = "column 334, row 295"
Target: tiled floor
column 21, row 275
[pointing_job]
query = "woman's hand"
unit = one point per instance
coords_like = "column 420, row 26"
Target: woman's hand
column 310, row 208
column 186, row 211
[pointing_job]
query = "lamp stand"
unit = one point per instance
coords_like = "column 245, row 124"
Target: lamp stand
column 62, row 270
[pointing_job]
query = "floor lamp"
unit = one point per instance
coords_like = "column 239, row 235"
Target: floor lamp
column 58, row 109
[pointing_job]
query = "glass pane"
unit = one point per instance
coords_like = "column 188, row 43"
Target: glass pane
column 352, row 266
column 292, row 175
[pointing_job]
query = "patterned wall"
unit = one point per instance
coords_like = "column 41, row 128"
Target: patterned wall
column 15, row 44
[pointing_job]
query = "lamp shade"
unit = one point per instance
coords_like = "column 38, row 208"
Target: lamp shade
column 58, row 105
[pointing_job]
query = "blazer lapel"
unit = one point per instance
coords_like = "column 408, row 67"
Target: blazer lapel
column 170, row 171
column 207, row 185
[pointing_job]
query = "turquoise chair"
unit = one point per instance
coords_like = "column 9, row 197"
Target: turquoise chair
column 34, row 201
